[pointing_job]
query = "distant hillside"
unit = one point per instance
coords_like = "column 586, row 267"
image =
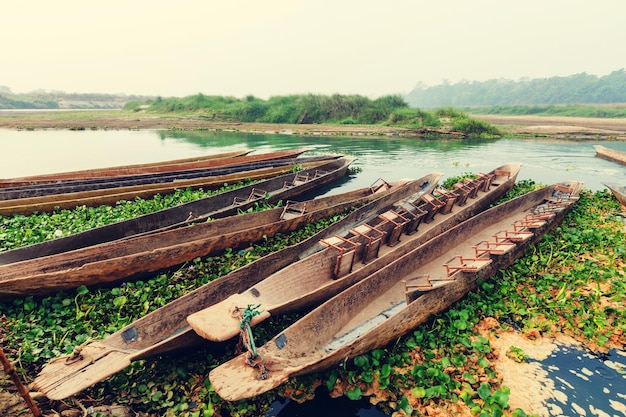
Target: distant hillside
column 575, row 89
column 41, row 99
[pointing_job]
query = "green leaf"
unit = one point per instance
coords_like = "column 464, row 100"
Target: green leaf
column 354, row 394
column 405, row 406
column 484, row 391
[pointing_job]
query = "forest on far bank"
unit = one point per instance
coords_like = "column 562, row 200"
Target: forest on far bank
column 580, row 88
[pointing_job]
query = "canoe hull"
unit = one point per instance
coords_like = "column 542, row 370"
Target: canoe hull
column 313, row 279
column 107, row 185
column 348, row 324
column 619, row 191
column 162, row 166
column 129, row 258
column 610, row 154
column 216, row 206
column 166, row 329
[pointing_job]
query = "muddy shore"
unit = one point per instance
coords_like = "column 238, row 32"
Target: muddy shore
column 532, row 126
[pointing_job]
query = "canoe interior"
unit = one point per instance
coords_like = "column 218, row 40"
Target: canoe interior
column 351, row 256
column 166, row 329
column 135, row 256
column 281, row 187
column 378, row 309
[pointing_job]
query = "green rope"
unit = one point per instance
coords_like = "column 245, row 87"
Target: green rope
column 248, row 314
column 248, row 339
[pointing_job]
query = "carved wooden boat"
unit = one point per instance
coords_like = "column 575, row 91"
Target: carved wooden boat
column 145, row 253
column 166, row 328
column 346, row 259
column 104, row 184
column 619, row 191
column 113, row 195
column 610, row 154
column 400, row 296
column 281, row 187
column 147, row 168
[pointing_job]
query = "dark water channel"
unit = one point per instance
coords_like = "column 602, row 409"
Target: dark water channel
column 586, row 384
column 589, row 386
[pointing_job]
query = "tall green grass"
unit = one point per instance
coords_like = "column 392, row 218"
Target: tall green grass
column 339, row 109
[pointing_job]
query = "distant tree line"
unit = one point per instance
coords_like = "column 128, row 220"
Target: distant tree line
column 8, row 102
column 42, row 99
column 575, row 89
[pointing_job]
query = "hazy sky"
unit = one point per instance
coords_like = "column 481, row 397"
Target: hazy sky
column 278, row 47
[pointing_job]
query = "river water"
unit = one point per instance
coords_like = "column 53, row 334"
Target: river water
column 545, row 161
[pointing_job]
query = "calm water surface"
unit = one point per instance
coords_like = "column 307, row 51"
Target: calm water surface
column 545, row 161
column 37, row 152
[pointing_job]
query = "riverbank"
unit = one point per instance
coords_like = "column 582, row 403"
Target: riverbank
column 558, row 126
column 534, row 126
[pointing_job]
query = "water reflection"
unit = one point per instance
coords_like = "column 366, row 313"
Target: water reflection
column 545, row 161
column 586, row 384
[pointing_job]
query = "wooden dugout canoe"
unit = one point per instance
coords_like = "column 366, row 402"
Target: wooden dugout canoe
column 610, row 154
column 134, row 256
column 278, row 187
column 400, row 296
column 113, row 195
column 345, row 260
column 619, row 192
column 147, row 168
column 166, row 329
column 104, row 184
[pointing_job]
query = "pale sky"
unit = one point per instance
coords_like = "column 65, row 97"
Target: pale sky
column 278, row 47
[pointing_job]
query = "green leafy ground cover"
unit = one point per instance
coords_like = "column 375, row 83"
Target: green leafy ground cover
column 571, row 282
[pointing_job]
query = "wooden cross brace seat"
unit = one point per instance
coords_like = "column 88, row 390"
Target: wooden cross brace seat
column 432, row 205
column 486, row 248
column 474, row 185
column 562, row 193
column 486, row 181
column 416, row 286
column 504, row 236
column 504, row 174
column 463, row 192
column 549, row 207
column 254, row 195
column 529, row 222
column 462, row 263
column 293, row 209
column 378, row 185
column 346, row 251
column 299, row 178
column 393, row 224
column 413, row 213
column 448, row 197
column 372, row 238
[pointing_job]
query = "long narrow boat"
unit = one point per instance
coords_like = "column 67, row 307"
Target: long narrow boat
column 346, row 259
column 230, row 166
column 400, row 296
column 610, row 154
column 152, row 167
column 113, row 195
column 619, row 191
column 166, row 328
column 145, row 253
column 282, row 187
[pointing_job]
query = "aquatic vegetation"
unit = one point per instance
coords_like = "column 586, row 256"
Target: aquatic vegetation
column 571, row 282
